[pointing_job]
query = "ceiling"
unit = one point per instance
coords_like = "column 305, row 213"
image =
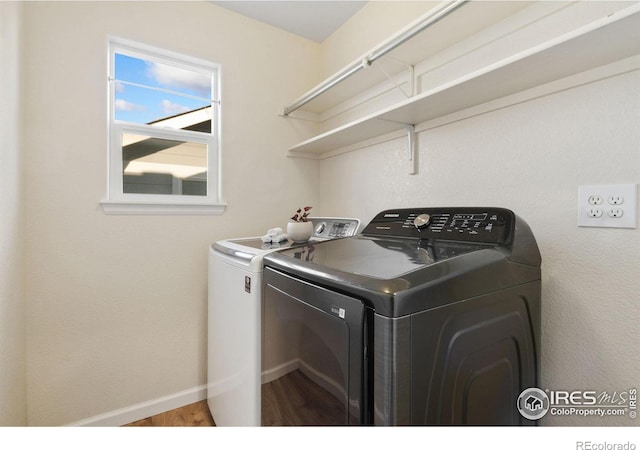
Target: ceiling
column 315, row 20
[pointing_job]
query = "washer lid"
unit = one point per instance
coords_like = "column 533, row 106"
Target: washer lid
column 373, row 257
column 324, row 228
column 396, row 277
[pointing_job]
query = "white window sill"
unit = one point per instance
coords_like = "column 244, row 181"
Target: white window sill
column 139, row 208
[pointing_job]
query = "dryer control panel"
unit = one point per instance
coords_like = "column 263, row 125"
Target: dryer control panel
column 471, row 224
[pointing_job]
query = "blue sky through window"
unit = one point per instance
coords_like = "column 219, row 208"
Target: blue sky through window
column 141, row 90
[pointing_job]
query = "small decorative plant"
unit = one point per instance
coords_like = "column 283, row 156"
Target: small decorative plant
column 301, row 214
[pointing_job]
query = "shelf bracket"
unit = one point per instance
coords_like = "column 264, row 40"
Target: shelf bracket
column 412, row 148
column 412, row 84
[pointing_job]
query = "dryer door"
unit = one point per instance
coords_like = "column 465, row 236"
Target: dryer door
column 313, row 354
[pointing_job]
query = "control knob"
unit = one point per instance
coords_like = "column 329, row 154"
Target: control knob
column 421, row 221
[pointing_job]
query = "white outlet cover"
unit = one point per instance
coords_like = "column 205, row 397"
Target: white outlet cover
column 609, row 217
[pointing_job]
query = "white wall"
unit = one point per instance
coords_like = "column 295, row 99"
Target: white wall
column 117, row 304
column 531, row 157
column 13, row 411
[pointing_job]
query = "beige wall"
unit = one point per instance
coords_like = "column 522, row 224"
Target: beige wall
column 376, row 21
column 13, row 409
column 531, row 157
column 117, row 304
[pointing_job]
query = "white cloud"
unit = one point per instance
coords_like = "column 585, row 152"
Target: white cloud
column 171, row 108
column 123, row 105
column 176, row 78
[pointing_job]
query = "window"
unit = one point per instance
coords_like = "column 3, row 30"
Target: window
column 164, row 111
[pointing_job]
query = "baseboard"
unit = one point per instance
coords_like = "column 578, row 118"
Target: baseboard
column 314, row 375
column 322, row 380
column 279, row 371
column 143, row 410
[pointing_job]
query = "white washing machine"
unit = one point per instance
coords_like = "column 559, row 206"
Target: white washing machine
column 234, row 355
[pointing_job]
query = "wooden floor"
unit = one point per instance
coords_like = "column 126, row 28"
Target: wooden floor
column 296, row 400
column 290, row 400
column 194, row 415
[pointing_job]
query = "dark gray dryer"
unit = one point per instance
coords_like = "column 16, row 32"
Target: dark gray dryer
column 429, row 316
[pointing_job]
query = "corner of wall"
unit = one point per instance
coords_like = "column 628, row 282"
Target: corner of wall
column 12, row 304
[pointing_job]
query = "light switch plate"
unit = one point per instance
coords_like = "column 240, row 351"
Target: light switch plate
column 610, row 206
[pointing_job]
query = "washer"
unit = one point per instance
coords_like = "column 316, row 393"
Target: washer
column 235, row 277
column 430, row 316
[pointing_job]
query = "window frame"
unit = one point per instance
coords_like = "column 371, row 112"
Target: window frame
column 119, row 202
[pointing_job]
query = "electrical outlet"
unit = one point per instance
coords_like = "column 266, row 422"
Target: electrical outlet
column 616, row 199
column 594, row 212
column 612, row 206
column 595, row 200
column 616, row 212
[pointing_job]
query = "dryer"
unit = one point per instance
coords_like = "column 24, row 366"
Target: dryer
column 431, row 316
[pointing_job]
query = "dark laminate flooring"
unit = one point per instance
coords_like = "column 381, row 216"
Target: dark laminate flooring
column 295, row 400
